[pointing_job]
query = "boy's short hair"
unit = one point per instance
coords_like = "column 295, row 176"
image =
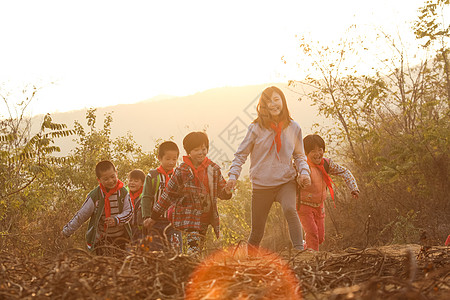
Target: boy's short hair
column 311, row 141
column 195, row 139
column 167, row 146
column 137, row 174
column 103, row 166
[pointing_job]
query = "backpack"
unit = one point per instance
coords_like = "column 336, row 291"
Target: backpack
column 99, row 202
column 148, row 194
column 155, row 183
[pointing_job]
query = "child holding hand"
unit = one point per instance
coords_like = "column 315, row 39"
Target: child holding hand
column 311, row 198
column 273, row 142
column 193, row 190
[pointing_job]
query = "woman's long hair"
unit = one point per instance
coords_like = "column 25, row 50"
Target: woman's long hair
column 264, row 117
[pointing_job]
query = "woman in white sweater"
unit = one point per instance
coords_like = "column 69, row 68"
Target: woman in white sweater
column 273, row 141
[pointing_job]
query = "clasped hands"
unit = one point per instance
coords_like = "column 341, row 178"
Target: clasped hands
column 303, row 180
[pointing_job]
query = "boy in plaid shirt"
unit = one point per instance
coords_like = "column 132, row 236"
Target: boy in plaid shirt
column 194, row 189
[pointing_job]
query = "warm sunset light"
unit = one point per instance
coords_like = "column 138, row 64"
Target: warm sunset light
column 101, row 53
column 208, row 150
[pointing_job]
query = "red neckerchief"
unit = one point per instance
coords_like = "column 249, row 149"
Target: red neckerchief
column 167, row 175
column 325, row 176
column 112, row 191
column 199, row 172
column 277, row 128
column 133, row 196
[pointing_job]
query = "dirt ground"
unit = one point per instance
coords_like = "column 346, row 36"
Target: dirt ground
column 390, row 272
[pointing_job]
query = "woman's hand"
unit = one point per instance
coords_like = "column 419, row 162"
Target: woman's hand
column 229, row 187
column 303, row 180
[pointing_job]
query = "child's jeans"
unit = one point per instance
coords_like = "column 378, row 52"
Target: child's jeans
column 313, row 222
column 262, row 200
column 164, row 235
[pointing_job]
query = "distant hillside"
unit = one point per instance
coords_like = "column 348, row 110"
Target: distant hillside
column 224, row 112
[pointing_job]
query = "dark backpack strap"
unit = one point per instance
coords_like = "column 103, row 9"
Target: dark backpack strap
column 155, row 181
column 326, row 164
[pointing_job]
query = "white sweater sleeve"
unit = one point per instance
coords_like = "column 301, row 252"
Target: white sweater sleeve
column 244, row 149
column 299, row 155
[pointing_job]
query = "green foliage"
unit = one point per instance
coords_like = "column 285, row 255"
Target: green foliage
column 235, row 215
column 429, row 25
column 41, row 192
column 391, row 128
column 27, row 160
column 94, row 145
column 403, row 229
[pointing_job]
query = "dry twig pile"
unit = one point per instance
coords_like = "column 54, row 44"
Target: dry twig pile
column 140, row 274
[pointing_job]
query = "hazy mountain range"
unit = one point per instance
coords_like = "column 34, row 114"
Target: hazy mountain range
column 224, row 112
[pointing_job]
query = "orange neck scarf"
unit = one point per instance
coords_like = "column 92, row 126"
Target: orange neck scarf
column 133, row 196
column 325, row 175
column 277, row 128
column 199, row 172
column 112, row 191
column 167, row 175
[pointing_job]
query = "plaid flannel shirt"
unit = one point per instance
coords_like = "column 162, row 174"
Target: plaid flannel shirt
column 185, row 194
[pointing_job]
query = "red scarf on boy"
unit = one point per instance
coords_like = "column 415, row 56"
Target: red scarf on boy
column 325, row 175
column 112, row 191
column 161, row 170
column 133, row 196
column 277, row 128
column 200, row 174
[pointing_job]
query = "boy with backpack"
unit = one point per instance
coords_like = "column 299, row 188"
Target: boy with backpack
column 311, row 198
column 195, row 187
column 155, row 183
column 109, row 209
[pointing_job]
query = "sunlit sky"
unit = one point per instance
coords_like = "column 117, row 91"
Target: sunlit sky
column 101, row 53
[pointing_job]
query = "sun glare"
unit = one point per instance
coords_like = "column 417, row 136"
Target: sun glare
column 232, row 274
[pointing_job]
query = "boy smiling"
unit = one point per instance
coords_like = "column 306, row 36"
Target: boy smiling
column 311, row 198
column 109, row 209
column 194, row 189
column 155, row 183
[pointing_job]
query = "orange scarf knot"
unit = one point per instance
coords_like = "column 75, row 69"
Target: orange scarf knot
column 326, row 177
column 133, row 196
column 167, row 175
column 277, row 128
column 200, row 172
column 112, row 191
